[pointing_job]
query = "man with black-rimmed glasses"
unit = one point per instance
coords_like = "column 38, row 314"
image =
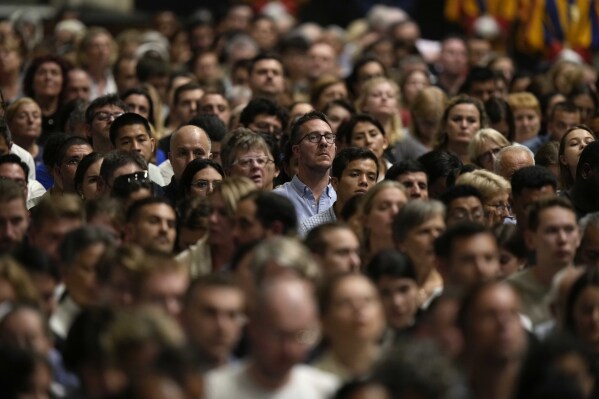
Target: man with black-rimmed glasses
column 313, row 143
column 99, row 116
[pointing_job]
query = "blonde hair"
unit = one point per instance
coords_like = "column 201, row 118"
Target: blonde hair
column 429, row 103
column 480, row 138
column 13, row 108
column 232, row 189
column 84, row 43
column 522, row 100
column 395, row 133
column 488, row 183
column 15, row 275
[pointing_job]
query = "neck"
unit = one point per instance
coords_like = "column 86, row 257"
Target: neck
column 28, row 144
column 380, row 243
column 10, row 83
column 356, row 356
column 47, row 104
column 316, row 180
column 545, row 272
column 221, row 254
column 493, row 380
column 264, row 379
column 461, row 150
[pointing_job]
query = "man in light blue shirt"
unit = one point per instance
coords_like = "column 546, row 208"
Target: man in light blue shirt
column 313, row 143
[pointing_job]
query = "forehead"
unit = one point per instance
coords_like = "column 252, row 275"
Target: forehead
column 191, row 94
column 362, row 163
column 467, row 202
column 161, row 210
column 552, row 214
column 464, row 108
column 268, row 64
column 11, row 169
column 341, row 236
column 77, row 149
column 411, row 176
column 263, row 118
column 315, row 125
column 134, row 129
column 496, row 296
column 48, row 65
column 136, row 98
column 478, row 242
column 108, row 108
column 213, row 98
column 190, row 135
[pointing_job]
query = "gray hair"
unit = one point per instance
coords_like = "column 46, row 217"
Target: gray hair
column 413, row 214
column 512, row 148
column 285, row 252
column 79, row 239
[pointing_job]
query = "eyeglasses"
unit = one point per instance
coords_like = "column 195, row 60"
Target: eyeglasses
column 501, row 207
column 489, row 155
column 103, row 116
column 460, row 215
column 72, row 162
column 204, row 184
column 246, row 163
column 315, row 138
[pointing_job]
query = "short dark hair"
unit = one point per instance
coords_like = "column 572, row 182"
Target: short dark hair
column 589, row 156
column 140, row 91
column 564, row 106
column 128, row 119
column 115, row 159
column 534, row 212
column 266, row 56
column 148, row 67
column 51, row 148
column 498, row 110
column 194, row 167
column 315, row 239
column 440, row 164
column 83, row 166
column 36, row 261
column 272, row 207
column 108, row 99
column 5, row 131
column 345, row 130
column 459, row 191
column 217, row 280
column 444, row 243
column 390, row 263
column 475, row 75
column 65, row 145
column 15, row 159
column 138, row 205
column 348, row 155
column 403, row 167
column 183, row 88
column 212, row 125
column 10, row 191
column 77, row 240
column 258, row 106
column 294, row 136
column 532, row 177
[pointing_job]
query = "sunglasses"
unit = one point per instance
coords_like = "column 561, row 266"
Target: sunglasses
column 141, row 178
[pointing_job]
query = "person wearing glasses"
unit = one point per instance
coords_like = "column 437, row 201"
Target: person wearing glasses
column 495, row 191
column 245, row 153
column 131, row 132
column 463, row 203
column 200, row 178
column 313, row 143
column 99, row 116
column 69, row 154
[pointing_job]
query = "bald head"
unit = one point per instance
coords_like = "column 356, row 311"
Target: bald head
column 286, row 296
column 512, row 158
column 188, row 143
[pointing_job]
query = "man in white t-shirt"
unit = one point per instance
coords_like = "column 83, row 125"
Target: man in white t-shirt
column 282, row 329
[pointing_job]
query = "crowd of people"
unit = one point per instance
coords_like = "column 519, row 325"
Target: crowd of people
column 248, row 207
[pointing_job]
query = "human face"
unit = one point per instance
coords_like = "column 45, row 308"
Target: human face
column 68, row 165
column 25, row 329
column 126, row 77
column 336, row 116
column 47, row 80
column 138, row 104
column 400, row 300
column 488, row 153
column 508, row 263
column 204, row 181
column 27, row 123
column 358, row 177
column 247, row 227
column 216, row 104
column 154, row 228
column 556, row 237
column 80, row 278
column 586, row 106
column 465, row 208
column 314, row 156
column 220, row 224
column 99, row 130
column 367, row 135
column 266, row 78
column 561, row 122
column 526, row 197
column 333, row 92
column 528, row 124
column 513, row 161
column 189, row 143
column 321, row 60
column 576, row 141
column 186, row 107
column 454, row 57
column 416, row 183
column 213, row 319
column 418, row 244
column 370, row 70
column 385, row 206
column 342, row 252
column 135, row 138
column 14, row 221
column 78, row 85
column 463, row 120
column 413, row 85
column 494, row 331
column 165, row 289
column 98, row 50
column 589, row 247
column 497, row 209
column 472, row 260
column 381, row 100
column 586, row 317
column 355, row 313
column 264, row 123
column 14, row 172
column 257, row 165
column 48, row 234
column 483, row 90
